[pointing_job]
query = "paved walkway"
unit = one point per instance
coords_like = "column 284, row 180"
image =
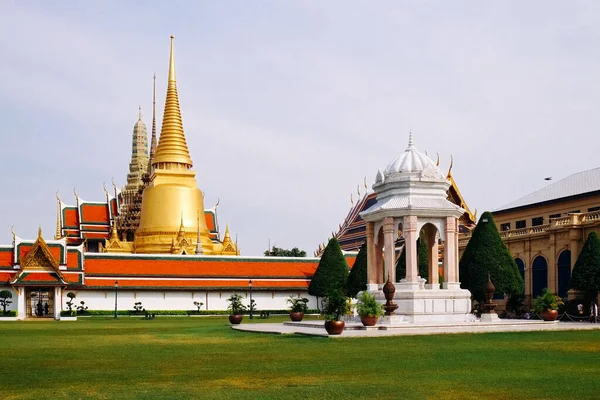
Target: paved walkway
column 316, row 328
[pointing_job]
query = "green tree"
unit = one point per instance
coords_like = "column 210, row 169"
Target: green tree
column 4, row 296
column 332, row 271
column 586, row 272
column 422, row 261
column 487, row 254
column 357, row 280
column 279, row 252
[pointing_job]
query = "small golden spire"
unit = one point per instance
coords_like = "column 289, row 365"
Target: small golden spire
column 153, row 138
column 58, row 234
column 114, row 236
column 12, row 231
column 39, row 231
column 172, row 146
column 140, row 112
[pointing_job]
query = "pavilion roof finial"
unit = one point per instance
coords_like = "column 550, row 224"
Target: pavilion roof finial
column 140, row 112
column 411, row 141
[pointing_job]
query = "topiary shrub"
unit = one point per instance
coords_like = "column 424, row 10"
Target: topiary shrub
column 5, row 295
column 586, row 272
column 422, row 261
column 487, row 254
column 332, row 271
column 357, row 280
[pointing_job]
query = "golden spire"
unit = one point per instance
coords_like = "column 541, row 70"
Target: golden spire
column 172, row 147
column 153, row 139
column 114, row 236
column 198, row 242
column 181, row 233
column 39, row 231
column 58, row 234
column 227, row 237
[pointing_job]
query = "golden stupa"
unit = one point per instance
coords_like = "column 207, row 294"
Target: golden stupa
column 172, row 213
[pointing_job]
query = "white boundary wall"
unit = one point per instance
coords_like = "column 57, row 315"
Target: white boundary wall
column 174, row 300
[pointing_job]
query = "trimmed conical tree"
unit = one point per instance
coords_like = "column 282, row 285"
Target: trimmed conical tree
column 357, row 280
column 586, row 272
column 486, row 254
column 332, row 271
column 422, row 261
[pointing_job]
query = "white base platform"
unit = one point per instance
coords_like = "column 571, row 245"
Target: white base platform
column 419, row 305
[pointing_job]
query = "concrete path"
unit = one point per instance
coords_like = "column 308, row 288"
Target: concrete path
column 316, row 328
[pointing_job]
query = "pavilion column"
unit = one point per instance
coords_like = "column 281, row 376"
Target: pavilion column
column 432, row 247
column 21, row 301
column 410, row 242
column 451, row 255
column 389, row 242
column 57, row 302
column 371, row 258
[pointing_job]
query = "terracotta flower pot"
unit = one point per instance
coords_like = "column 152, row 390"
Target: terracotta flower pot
column 368, row 320
column 296, row 316
column 549, row 315
column 235, row 318
column 334, row 327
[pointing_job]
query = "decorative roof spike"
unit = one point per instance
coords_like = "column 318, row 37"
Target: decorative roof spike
column 358, row 190
column 449, row 175
column 172, row 146
column 12, row 231
column 351, row 198
column 437, row 164
column 140, row 112
column 39, row 231
column 411, row 142
column 365, row 184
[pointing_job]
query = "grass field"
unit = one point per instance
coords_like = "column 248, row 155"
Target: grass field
column 203, row 358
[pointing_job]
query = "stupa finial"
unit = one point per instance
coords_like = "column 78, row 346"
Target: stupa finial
column 172, row 147
column 411, row 141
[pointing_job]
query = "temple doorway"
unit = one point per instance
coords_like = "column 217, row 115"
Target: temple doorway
column 40, row 302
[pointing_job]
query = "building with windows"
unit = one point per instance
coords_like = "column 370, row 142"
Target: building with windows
column 546, row 229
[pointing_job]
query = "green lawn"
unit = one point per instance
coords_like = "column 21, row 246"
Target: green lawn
column 203, row 358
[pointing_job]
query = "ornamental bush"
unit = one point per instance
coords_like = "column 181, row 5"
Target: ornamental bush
column 487, row 254
column 586, row 272
column 5, row 295
column 422, row 261
column 332, row 271
column 357, row 280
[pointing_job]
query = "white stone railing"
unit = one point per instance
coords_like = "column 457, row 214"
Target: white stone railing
column 569, row 220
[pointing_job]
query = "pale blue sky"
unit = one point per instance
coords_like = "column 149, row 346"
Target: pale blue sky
column 287, row 106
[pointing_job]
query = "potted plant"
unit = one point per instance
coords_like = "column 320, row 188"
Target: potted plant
column 298, row 306
column 236, row 308
column 546, row 305
column 369, row 309
column 335, row 305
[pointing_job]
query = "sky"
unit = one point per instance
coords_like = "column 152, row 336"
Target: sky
column 288, row 106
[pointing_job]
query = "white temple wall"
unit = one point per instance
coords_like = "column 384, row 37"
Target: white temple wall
column 180, row 300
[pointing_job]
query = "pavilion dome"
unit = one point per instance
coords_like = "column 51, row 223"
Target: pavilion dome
column 412, row 161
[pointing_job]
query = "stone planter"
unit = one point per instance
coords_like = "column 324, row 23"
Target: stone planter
column 334, row 327
column 368, row 320
column 235, row 319
column 296, row 316
column 549, row 315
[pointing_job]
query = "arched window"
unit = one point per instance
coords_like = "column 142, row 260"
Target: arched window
column 539, row 272
column 564, row 272
column 521, row 266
